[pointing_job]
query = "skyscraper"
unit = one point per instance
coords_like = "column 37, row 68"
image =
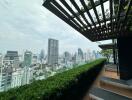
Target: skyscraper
column 67, row 57
column 41, row 56
column 94, row 54
column 27, row 58
column 80, row 53
column 34, row 59
column 53, row 51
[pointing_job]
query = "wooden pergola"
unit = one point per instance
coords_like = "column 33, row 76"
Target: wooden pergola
column 108, row 46
column 112, row 46
column 114, row 23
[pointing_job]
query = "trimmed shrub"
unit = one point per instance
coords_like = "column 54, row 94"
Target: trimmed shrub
column 59, row 86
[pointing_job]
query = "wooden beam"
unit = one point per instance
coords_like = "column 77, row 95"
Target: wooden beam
column 65, row 12
column 103, row 13
column 80, row 12
column 89, row 8
column 95, row 11
column 124, row 25
column 54, row 10
column 111, row 14
column 92, row 30
column 70, row 9
column 89, row 15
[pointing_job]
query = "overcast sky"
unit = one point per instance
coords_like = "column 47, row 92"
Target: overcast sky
column 26, row 24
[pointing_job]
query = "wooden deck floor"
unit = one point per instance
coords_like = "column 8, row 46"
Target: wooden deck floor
column 110, row 74
column 115, row 89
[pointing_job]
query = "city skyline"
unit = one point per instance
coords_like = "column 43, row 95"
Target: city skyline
column 17, row 70
column 21, row 52
column 36, row 50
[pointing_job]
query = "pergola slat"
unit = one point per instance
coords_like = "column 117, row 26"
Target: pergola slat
column 81, row 19
column 104, row 18
column 126, row 15
column 78, row 9
column 95, row 11
column 102, row 7
column 97, row 17
column 111, row 14
column 89, row 8
column 64, row 11
column 89, row 15
column 58, row 13
column 118, row 15
column 129, row 7
column 82, row 14
column 70, row 9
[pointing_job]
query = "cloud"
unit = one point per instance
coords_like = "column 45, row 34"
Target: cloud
column 26, row 24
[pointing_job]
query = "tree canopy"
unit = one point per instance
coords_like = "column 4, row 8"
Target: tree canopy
column 107, row 53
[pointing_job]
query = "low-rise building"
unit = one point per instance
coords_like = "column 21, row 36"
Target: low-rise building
column 17, row 78
column 5, row 78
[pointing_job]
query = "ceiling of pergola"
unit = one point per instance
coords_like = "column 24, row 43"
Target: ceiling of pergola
column 95, row 19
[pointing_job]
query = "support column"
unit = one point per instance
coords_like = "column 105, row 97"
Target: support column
column 114, row 55
column 114, row 52
column 125, row 57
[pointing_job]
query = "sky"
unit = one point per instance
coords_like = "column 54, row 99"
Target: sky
column 27, row 25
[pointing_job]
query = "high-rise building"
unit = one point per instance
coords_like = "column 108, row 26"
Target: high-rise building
column 34, row 59
column 80, row 53
column 41, row 56
column 12, row 56
column 53, row 51
column 89, row 55
column 67, row 57
column 27, row 58
column 94, row 54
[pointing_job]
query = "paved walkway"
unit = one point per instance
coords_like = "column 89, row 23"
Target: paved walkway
column 107, row 95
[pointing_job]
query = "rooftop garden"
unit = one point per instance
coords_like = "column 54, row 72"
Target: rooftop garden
column 62, row 86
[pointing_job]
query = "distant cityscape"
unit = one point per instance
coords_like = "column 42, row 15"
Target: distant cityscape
column 17, row 70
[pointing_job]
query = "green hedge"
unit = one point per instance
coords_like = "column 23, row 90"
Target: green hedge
column 44, row 89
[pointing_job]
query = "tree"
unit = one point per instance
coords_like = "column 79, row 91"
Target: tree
column 106, row 53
